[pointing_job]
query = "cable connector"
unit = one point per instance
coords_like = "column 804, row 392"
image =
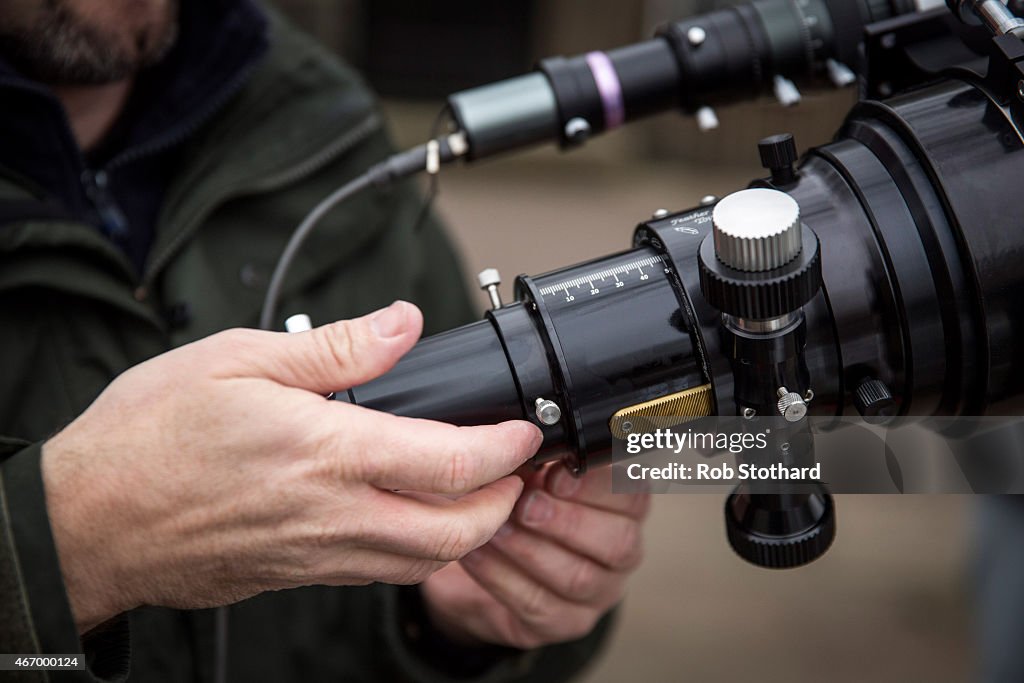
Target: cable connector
column 427, row 157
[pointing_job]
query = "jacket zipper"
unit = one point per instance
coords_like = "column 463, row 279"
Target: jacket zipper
column 96, row 183
column 308, row 166
column 112, row 220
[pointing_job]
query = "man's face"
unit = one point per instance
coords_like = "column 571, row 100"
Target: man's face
column 86, row 42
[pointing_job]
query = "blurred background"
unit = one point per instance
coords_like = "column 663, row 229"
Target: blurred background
column 889, row 602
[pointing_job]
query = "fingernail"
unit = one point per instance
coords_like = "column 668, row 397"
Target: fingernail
column 537, row 509
column 389, row 322
column 565, row 485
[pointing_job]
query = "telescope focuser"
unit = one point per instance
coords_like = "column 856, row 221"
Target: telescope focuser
column 759, row 267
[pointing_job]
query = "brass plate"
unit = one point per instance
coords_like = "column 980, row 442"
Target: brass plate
column 685, row 406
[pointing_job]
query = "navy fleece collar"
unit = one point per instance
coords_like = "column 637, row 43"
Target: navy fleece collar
column 219, row 44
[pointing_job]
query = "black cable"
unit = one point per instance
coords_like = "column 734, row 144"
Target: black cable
column 296, row 241
column 220, row 639
column 394, row 168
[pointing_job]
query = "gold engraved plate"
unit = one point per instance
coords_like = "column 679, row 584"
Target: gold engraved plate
column 671, row 410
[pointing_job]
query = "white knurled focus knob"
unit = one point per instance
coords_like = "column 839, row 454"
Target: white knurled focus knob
column 757, row 230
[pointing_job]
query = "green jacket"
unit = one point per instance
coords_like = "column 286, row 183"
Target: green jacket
column 74, row 314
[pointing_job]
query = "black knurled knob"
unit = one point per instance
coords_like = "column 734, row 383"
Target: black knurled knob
column 874, row 401
column 761, row 295
column 765, row 534
column 778, row 154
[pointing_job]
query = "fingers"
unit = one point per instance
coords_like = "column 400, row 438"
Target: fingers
column 433, row 457
column 595, row 489
column 567, row 574
column 329, row 358
column 439, row 532
column 549, row 617
column 611, row 539
column 466, row 613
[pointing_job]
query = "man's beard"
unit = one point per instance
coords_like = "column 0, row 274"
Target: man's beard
column 59, row 48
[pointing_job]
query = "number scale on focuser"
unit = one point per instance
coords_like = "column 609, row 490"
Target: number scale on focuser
column 607, row 280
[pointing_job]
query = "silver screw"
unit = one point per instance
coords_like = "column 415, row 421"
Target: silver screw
column 489, row 280
column 791, row 405
column 627, row 426
column 840, row 74
column 1020, row 89
column 809, row 395
column 786, row 91
column 548, row 412
column 708, row 200
column 696, row 35
column 660, row 213
column 577, row 130
column 707, row 119
column 749, row 413
column 784, row 447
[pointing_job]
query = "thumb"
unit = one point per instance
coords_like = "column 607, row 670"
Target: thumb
column 343, row 354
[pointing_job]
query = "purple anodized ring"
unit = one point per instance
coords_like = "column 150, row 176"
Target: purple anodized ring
column 610, row 89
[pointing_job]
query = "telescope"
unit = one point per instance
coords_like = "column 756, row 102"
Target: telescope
column 879, row 275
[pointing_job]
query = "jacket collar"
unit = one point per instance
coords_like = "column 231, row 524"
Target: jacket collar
column 219, row 45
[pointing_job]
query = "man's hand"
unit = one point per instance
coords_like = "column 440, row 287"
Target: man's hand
column 551, row 572
column 218, row 470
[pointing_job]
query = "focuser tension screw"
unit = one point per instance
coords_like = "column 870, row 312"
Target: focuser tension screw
column 548, row 411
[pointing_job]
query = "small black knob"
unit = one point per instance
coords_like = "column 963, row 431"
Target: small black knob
column 874, row 401
column 780, row 531
column 778, row 154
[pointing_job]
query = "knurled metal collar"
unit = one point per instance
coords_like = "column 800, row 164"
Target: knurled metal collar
column 764, row 295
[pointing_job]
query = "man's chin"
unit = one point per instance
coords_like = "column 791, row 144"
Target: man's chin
column 62, row 48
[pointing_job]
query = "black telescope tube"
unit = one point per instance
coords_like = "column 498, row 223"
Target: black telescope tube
column 554, row 346
column 461, row 376
column 648, row 353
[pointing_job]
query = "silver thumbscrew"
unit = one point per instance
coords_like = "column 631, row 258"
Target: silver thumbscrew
column 489, row 280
